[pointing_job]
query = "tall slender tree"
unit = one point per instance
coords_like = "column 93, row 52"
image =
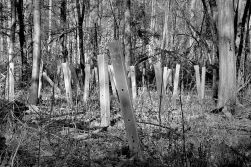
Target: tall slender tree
column 36, row 52
column 64, row 50
column 80, row 15
column 241, row 56
column 127, row 37
column 227, row 59
column 64, row 35
column 152, row 27
column 11, row 51
column 22, row 40
column 1, row 23
column 50, row 25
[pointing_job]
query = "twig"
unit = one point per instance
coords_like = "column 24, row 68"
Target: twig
column 183, row 126
column 160, row 98
column 51, row 109
column 162, row 126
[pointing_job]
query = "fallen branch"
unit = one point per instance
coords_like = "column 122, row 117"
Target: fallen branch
column 162, row 126
column 45, row 76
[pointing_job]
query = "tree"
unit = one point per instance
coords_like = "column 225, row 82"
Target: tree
column 65, row 65
column 63, row 37
column 22, row 40
column 80, row 15
column 227, row 59
column 241, row 36
column 36, row 53
column 50, row 25
column 127, row 37
column 152, row 27
column 2, row 23
column 11, row 51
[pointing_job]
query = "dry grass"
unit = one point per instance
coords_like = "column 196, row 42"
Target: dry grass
column 75, row 139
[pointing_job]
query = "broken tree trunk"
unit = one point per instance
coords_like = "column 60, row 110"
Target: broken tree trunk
column 176, row 84
column 45, row 76
column 115, row 48
column 104, row 90
column 203, row 82
column 143, row 79
column 87, row 82
column 198, row 83
column 40, row 83
column 158, row 76
column 67, row 81
column 133, row 81
column 111, row 74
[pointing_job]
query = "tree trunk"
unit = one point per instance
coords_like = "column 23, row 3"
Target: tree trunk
column 64, row 37
column 124, row 97
column 95, row 40
column 36, row 53
column 11, row 52
column 22, row 41
column 127, row 36
column 242, row 42
column 81, row 15
column 104, row 90
column 67, row 80
column 211, row 13
column 227, row 60
column 165, row 28
column 50, row 25
column 152, row 26
column 65, row 64
column 1, row 23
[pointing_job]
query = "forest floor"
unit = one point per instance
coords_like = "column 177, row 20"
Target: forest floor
column 56, row 135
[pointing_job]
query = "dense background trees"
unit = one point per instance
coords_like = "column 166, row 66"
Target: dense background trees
column 59, row 41
column 180, row 31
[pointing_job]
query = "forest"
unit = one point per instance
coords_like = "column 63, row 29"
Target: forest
column 125, row 83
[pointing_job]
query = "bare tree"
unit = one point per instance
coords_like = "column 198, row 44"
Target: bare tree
column 227, row 59
column 127, row 37
column 11, row 51
column 81, row 14
column 36, row 53
column 152, row 27
column 64, row 50
column 242, row 32
column 50, row 24
column 63, row 38
column 22, row 40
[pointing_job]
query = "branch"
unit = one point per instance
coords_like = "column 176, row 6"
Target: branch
column 245, row 84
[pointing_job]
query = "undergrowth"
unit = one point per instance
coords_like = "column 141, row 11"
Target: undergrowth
column 58, row 135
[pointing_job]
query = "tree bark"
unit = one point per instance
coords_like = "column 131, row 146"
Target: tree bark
column 36, row 53
column 64, row 25
column 127, row 36
column 124, row 98
column 1, row 23
column 211, row 13
column 10, row 85
column 50, row 25
column 81, row 15
column 152, row 26
column 65, row 64
column 227, row 59
column 242, row 40
column 165, row 28
column 22, row 41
